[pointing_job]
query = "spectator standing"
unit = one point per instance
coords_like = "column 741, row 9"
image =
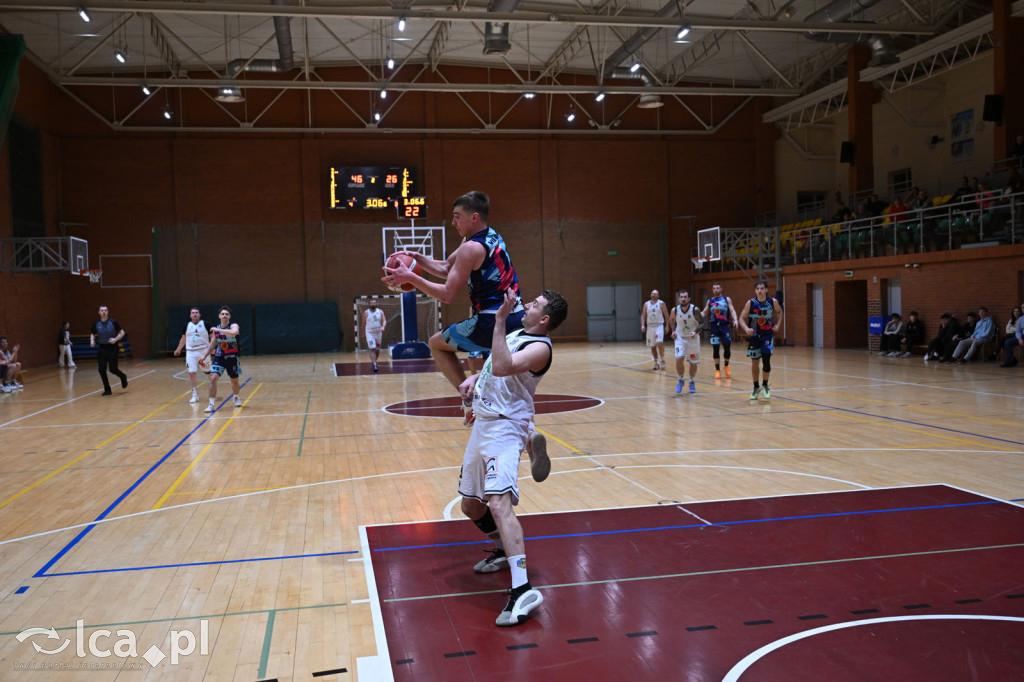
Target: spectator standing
column 64, row 358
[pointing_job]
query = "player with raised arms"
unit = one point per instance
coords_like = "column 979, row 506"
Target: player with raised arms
column 483, row 261
column 721, row 312
column 760, row 319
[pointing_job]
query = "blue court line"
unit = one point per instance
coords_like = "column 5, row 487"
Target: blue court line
column 41, row 573
column 203, row 563
column 703, row 525
column 904, row 421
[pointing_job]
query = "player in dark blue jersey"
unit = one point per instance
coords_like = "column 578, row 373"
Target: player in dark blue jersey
column 482, row 261
column 719, row 312
column 760, row 319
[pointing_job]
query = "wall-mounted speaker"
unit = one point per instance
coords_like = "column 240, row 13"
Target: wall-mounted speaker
column 846, row 152
column 993, row 110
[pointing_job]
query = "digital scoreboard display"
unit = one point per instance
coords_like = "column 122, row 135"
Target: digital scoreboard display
column 370, row 187
column 411, row 208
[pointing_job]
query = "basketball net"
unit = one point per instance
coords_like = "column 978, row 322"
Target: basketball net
column 94, row 275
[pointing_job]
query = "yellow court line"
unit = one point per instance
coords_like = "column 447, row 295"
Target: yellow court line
column 944, row 413
column 194, row 462
column 884, row 422
column 89, row 451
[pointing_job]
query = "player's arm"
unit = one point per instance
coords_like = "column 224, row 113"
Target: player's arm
column 467, row 386
column 230, row 331
column 531, row 358
column 431, row 266
column 778, row 315
column 92, row 336
column 468, row 256
column 732, row 311
column 672, row 322
column 700, row 321
column 120, row 334
column 181, row 344
column 643, row 316
column 664, row 310
column 706, row 308
column 743, row 320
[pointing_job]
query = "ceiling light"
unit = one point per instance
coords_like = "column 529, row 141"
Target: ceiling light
column 168, row 114
column 635, row 67
column 571, row 116
column 376, row 116
column 401, row 23
column 650, row 101
column 145, row 90
column 683, row 31
column 119, row 55
column 529, row 95
column 229, row 94
column 82, row 13
column 599, row 97
column 383, row 94
column 391, row 63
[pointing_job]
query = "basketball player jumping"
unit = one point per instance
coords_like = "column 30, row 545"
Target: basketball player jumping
column 721, row 312
column 504, row 392
column 686, row 322
column 760, row 319
column 653, row 315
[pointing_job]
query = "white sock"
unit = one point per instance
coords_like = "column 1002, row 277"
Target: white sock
column 518, row 565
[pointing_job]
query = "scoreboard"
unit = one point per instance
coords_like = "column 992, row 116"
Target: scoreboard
column 371, row 187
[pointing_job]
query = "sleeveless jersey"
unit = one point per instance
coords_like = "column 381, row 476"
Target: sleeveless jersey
column 654, row 314
column 489, row 282
column 197, row 336
column 226, row 345
column 718, row 307
column 374, row 319
column 510, row 397
column 686, row 322
column 761, row 314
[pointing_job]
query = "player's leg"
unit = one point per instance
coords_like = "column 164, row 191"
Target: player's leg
column 114, row 369
column 523, row 598
column 215, row 372
column 101, row 366
column 474, row 504
column 652, row 343
column 726, row 340
column 754, row 352
column 716, row 344
column 766, row 370
column 236, row 387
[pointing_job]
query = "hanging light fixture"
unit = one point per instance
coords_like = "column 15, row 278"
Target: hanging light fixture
column 82, row 13
column 121, row 55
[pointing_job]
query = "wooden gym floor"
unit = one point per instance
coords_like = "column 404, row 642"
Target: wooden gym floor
column 248, row 530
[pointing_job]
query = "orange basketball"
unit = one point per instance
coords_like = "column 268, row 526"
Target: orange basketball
column 410, row 263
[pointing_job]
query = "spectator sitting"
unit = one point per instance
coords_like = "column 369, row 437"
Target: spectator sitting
column 913, row 333
column 11, row 367
column 920, row 201
column 876, row 205
column 983, row 198
column 842, row 214
column 965, row 331
column 962, row 191
column 1014, row 184
column 898, row 211
column 1014, row 338
column 948, row 328
column 983, row 332
column 891, row 336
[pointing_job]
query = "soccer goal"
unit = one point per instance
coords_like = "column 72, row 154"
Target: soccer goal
column 428, row 318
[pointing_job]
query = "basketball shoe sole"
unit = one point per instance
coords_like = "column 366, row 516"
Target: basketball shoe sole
column 540, row 463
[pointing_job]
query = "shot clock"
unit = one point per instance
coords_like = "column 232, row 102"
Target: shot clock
column 370, row 187
column 411, row 208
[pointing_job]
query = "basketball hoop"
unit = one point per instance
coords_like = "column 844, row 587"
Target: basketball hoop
column 698, row 262
column 93, row 275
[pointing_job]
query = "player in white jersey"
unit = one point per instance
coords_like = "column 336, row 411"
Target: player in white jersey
column 653, row 315
column 374, row 324
column 503, row 400
column 686, row 323
column 194, row 339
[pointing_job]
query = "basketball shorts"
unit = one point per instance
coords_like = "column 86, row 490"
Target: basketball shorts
column 226, row 363
column 373, row 340
column 721, row 335
column 192, row 358
column 655, row 334
column 688, row 349
column 760, row 345
column 491, row 463
column 477, row 332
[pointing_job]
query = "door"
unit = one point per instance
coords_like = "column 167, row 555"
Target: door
column 818, row 308
column 894, row 296
column 601, row 311
column 627, row 311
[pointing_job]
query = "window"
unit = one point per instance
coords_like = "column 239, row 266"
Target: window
column 26, row 166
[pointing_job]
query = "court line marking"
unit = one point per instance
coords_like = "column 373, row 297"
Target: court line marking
column 373, row 667
column 451, row 468
column 737, row 670
column 692, row 574
column 741, row 522
column 128, row 569
column 88, row 452
column 195, row 461
column 879, row 421
column 902, row 383
column 68, row 402
column 944, row 413
column 87, row 527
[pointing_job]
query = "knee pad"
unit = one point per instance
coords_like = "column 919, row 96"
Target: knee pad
column 728, row 350
column 766, row 363
column 714, row 351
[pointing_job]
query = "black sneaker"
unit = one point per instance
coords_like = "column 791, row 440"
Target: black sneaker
column 495, row 561
column 108, row 392
column 521, row 601
column 124, row 381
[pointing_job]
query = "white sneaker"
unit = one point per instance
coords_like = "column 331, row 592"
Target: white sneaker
column 893, row 354
column 195, row 397
column 73, row 366
column 881, row 352
column 520, row 603
column 209, row 408
column 907, row 354
column 926, row 358
column 18, row 384
column 5, row 388
column 238, row 401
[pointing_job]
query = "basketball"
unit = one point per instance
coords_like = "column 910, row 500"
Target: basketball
column 410, row 263
column 205, row 364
